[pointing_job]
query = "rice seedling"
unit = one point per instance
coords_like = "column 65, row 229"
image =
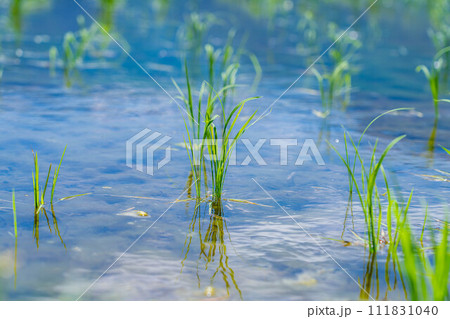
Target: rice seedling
column 229, row 65
column 427, row 277
column 309, row 27
column 15, row 16
column 446, row 150
column 370, row 198
column 221, row 144
column 440, row 31
column 195, row 30
column 76, row 46
column 39, row 193
column 433, row 75
column 204, row 136
column 39, row 198
column 107, row 14
column 336, row 80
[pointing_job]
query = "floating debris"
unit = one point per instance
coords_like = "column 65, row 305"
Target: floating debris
column 320, row 114
column 131, row 212
column 74, row 196
column 435, row 178
column 210, row 291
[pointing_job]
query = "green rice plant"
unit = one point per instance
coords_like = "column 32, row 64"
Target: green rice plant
column 427, row 277
column 14, row 213
column 308, row 26
column 446, row 150
column 199, row 119
column 345, row 44
column 88, row 41
column 52, row 58
column 15, row 15
column 196, row 27
column 221, row 144
column 336, row 80
column 39, row 193
column 368, row 192
column 433, row 75
column 440, row 31
column 39, row 198
column 204, row 134
column 229, row 65
column 227, row 70
column 107, row 14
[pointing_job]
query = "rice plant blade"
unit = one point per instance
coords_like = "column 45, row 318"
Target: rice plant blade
column 56, row 174
column 46, row 182
column 381, row 115
column 441, row 52
column 446, row 150
column 383, row 155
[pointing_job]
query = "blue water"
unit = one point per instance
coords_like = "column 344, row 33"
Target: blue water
column 263, row 253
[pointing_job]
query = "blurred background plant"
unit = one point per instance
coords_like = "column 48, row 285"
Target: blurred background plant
column 88, row 42
column 335, row 78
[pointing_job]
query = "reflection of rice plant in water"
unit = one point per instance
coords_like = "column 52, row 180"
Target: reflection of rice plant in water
column 14, row 212
column 213, row 247
column 427, row 278
column 336, row 80
column 368, row 193
column 204, row 134
column 393, row 277
column 433, row 75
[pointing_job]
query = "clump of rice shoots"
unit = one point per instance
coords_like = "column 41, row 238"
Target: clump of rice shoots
column 38, row 191
column 446, row 150
column 368, row 192
column 336, row 79
column 211, row 130
column 196, row 27
column 40, row 195
column 76, row 46
column 433, row 75
column 225, row 63
column 427, row 277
